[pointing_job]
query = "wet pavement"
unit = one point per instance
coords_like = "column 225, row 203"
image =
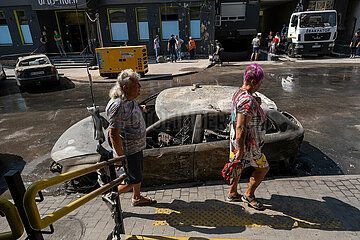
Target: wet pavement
column 324, row 97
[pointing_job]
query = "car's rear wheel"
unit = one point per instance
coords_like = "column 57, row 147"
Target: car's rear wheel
column 21, row 87
column 57, row 82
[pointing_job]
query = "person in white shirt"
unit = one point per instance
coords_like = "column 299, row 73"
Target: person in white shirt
column 157, row 46
column 256, row 47
column 178, row 44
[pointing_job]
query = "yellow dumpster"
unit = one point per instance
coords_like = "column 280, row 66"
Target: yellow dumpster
column 112, row 60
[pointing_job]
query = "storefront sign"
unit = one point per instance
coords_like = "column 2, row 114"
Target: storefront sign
column 58, row 4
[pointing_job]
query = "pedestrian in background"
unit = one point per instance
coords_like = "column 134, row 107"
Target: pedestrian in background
column 256, row 47
column 247, row 136
column 283, row 34
column 269, row 40
column 178, row 45
column 355, row 42
column 59, row 45
column 68, row 41
column 44, row 41
column 217, row 56
column 127, row 131
column 171, row 48
column 157, row 47
column 192, row 48
column 276, row 42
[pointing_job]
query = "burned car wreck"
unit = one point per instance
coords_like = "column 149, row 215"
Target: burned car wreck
column 187, row 136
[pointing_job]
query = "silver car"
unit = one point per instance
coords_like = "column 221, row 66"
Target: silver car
column 34, row 69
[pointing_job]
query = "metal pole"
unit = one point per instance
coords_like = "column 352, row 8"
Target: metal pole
column 17, row 190
column 119, row 223
column 77, row 16
column 97, row 16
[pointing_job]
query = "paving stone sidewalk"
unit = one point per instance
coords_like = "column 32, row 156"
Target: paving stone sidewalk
column 321, row 207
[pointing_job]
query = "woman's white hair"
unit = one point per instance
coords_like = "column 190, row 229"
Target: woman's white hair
column 124, row 78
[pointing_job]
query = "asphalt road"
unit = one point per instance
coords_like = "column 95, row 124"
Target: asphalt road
column 324, row 97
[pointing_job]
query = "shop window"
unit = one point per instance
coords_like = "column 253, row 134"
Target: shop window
column 321, row 5
column 5, row 37
column 195, row 22
column 118, row 24
column 235, row 11
column 143, row 26
column 169, row 22
column 23, row 25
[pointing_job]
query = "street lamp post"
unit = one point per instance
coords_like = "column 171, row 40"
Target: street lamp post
column 97, row 17
column 77, row 16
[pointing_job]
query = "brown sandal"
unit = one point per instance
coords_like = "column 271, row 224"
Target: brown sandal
column 143, row 201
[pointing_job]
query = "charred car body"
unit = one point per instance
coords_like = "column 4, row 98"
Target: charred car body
column 187, row 136
column 34, row 69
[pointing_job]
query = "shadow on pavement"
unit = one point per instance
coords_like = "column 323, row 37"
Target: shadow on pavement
column 65, row 84
column 330, row 214
column 312, row 161
column 9, row 87
column 281, row 212
column 9, row 162
column 156, row 76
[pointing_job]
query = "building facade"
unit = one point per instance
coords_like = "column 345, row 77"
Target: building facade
column 236, row 24
column 126, row 23
column 121, row 23
column 19, row 27
column 352, row 21
column 232, row 22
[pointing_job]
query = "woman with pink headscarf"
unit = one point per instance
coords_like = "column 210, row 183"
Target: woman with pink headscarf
column 247, row 135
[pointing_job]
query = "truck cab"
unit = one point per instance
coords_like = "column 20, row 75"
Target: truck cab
column 312, row 32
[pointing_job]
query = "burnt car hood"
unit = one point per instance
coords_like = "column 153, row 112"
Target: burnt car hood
column 208, row 98
column 77, row 141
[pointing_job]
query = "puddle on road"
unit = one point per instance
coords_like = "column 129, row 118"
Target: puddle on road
column 13, row 103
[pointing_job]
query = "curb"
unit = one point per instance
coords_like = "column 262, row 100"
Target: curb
column 165, row 76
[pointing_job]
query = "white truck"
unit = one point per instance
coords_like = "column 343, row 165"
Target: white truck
column 311, row 32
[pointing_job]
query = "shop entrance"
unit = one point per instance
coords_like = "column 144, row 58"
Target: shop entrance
column 73, row 30
column 268, row 21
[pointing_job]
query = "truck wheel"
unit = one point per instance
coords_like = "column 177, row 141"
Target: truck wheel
column 290, row 51
column 142, row 74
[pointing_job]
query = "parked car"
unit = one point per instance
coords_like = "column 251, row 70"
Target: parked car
column 2, row 73
column 34, row 69
column 187, row 136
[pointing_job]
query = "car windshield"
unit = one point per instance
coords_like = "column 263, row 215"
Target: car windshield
column 318, row 20
column 34, row 61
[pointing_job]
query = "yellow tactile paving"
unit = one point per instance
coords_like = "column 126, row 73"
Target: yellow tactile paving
column 219, row 214
column 137, row 237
